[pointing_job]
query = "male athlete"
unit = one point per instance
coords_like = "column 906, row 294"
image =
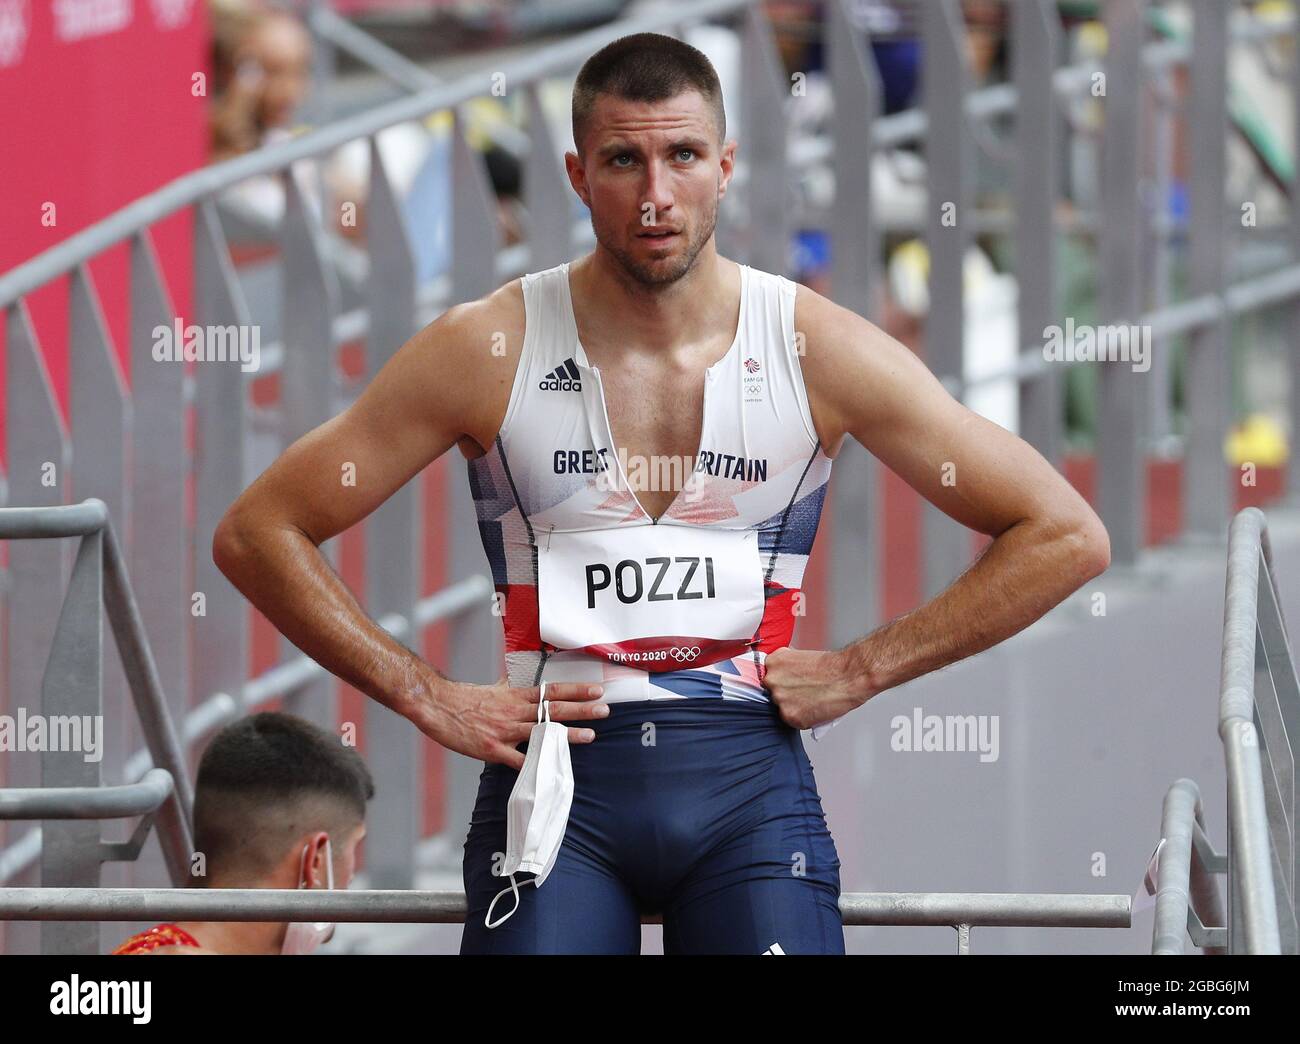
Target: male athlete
column 657, row 612
column 279, row 803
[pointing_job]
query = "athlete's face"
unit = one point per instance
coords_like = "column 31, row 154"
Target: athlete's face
column 652, row 174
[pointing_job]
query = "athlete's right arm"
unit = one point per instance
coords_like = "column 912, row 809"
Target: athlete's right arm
column 444, row 385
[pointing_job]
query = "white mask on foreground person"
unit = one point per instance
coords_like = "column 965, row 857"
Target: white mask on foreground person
column 820, row 730
column 538, row 812
column 302, row 937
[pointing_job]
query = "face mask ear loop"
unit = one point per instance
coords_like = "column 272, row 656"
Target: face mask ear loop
column 329, row 866
column 487, row 919
column 543, row 714
column 329, row 874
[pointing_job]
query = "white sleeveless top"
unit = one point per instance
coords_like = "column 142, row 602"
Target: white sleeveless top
column 596, row 590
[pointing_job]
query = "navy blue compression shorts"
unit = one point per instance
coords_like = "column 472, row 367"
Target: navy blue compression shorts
column 704, row 811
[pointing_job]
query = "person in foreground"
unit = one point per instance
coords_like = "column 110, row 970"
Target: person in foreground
column 650, row 431
column 279, row 803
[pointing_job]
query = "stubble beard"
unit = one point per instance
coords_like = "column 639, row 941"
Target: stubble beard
column 657, row 275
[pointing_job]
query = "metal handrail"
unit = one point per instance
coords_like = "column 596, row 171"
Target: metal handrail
column 85, row 519
column 1248, row 295
column 1029, row 910
column 111, row 802
column 1187, row 895
column 1251, row 869
column 397, row 68
column 53, row 523
column 911, row 125
column 1185, row 884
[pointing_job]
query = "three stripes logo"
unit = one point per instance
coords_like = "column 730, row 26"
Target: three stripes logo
column 564, row 377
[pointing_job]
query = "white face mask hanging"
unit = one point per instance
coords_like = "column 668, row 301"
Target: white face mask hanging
column 303, row 937
column 538, row 812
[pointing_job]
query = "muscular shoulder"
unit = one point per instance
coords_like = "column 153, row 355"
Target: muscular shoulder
column 865, row 382
column 474, row 348
column 476, row 324
column 839, row 353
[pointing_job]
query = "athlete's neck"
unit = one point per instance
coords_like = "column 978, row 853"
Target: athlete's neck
column 236, row 936
column 243, row 937
column 612, row 306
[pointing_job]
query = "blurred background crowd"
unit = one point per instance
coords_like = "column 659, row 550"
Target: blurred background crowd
column 265, row 90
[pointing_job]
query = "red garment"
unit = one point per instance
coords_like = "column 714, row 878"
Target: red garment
column 158, row 936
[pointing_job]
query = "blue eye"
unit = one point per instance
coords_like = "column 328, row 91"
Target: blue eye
column 689, row 152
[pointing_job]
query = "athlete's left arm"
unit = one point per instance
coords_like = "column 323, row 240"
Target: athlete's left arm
column 1047, row 540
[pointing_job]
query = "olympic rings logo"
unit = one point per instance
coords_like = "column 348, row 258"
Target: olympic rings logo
column 681, row 653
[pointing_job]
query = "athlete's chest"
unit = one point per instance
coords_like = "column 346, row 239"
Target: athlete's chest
column 588, row 452
column 655, row 416
column 605, row 438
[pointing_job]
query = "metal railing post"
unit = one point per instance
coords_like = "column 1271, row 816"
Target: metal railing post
column 1277, row 727
column 309, row 305
column 1182, row 872
column 546, row 191
column 393, row 553
column 72, row 708
column 1293, row 307
column 1252, row 915
column 474, row 640
column 156, row 721
column 765, row 91
column 1207, row 497
column 38, row 462
column 949, row 209
column 218, row 613
column 100, row 418
column 159, row 525
column 474, row 233
column 1121, row 447
column 856, row 521
column 1034, row 47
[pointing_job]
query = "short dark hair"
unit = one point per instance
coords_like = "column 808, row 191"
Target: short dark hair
column 263, row 781
column 646, row 67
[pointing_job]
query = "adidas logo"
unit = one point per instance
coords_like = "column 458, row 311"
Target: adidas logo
column 564, row 377
column 773, row 950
